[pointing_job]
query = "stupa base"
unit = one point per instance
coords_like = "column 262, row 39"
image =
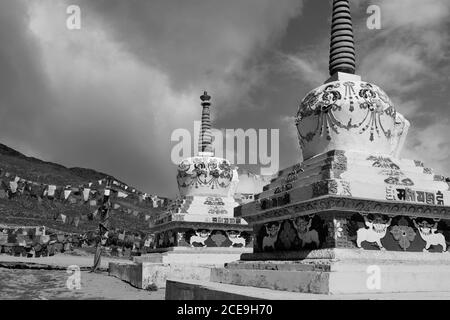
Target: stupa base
column 331, row 272
column 183, row 263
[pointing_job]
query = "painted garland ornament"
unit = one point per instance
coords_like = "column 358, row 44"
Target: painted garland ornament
column 204, row 173
column 347, row 115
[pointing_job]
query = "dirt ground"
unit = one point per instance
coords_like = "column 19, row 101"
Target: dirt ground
column 32, row 284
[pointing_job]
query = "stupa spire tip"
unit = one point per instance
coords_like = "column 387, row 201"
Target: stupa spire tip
column 342, row 45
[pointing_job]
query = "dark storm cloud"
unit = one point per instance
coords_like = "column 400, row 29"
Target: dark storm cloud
column 109, row 95
column 194, row 41
column 24, row 96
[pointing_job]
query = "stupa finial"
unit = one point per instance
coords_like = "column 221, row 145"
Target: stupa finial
column 342, row 46
column 205, row 143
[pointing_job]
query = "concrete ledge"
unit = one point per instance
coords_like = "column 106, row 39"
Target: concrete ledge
column 142, row 275
column 202, row 290
column 193, row 256
column 348, row 280
column 131, row 273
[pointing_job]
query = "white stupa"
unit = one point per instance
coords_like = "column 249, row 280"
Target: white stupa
column 203, row 216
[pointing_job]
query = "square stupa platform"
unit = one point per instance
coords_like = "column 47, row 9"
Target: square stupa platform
column 344, row 223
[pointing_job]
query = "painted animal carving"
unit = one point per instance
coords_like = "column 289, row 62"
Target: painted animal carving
column 271, row 237
column 430, row 235
column 235, row 238
column 376, row 231
column 200, row 237
column 307, row 236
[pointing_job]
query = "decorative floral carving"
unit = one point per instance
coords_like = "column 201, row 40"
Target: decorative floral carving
column 368, row 206
column 419, row 163
column 403, row 233
column 382, row 162
column 216, row 210
column 214, row 201
column 396, row 177
column 218, row 238
column 204, row 171
column 346, row 189
column 338, row 228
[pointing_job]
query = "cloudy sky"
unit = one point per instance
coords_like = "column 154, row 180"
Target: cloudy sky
column 108, row 96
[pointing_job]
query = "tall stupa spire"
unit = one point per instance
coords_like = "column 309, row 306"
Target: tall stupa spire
column 342, row 46
column 205, row 142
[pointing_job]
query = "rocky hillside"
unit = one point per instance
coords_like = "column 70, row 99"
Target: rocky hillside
column 76, row 213
column 34, row 169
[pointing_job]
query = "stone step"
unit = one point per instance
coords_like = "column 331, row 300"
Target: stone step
column 206, row 290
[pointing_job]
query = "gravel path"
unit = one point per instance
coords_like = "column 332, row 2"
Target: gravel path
column 23, row 284
column 46, row 277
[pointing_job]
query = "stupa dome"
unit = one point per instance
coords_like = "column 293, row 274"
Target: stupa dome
column 349, row 115
column 204, row 175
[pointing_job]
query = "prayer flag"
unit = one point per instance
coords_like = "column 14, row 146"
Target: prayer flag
column 67, row 193
column 121, row 194
column 51, row 190
column 86, row 192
